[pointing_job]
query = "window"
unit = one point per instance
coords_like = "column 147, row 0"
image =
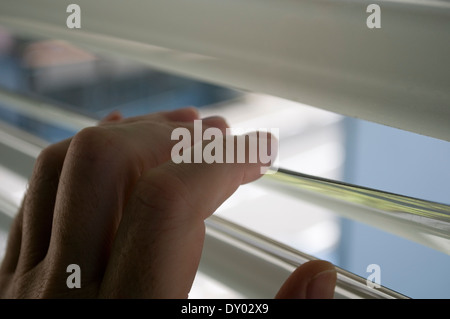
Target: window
column 278, row 228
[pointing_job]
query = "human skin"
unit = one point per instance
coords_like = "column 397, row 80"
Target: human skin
column 111, row 200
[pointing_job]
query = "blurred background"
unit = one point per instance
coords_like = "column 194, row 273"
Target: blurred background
column 312, row 141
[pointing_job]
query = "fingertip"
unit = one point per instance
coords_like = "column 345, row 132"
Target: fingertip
column 271, row 149
column 216, row 121
column 264, row 147
column 312, row 280
column 114, row 116
column 322, row 285
column 186, row 114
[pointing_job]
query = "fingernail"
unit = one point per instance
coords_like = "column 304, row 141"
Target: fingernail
column 216, row 121
column 111, row 117
column 213, row 119
column 322, row 285
column 191, row 111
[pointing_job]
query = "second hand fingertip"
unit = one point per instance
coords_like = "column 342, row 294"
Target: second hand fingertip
column 322, row 285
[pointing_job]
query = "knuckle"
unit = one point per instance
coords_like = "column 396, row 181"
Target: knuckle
column 49, row 158
column 90, row 138
column 95, row 144
column 48, row 164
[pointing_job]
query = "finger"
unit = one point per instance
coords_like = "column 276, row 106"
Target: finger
column 160, row 239
column 101, row 168
column 312, row 280
column 39, row 204
column 12, row 252
column 40, row 200
column 112, row 117
column 187, row 114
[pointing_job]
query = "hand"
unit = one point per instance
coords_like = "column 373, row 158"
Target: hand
column 111, row 201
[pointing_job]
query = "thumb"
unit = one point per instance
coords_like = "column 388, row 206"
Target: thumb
column 315, row 279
